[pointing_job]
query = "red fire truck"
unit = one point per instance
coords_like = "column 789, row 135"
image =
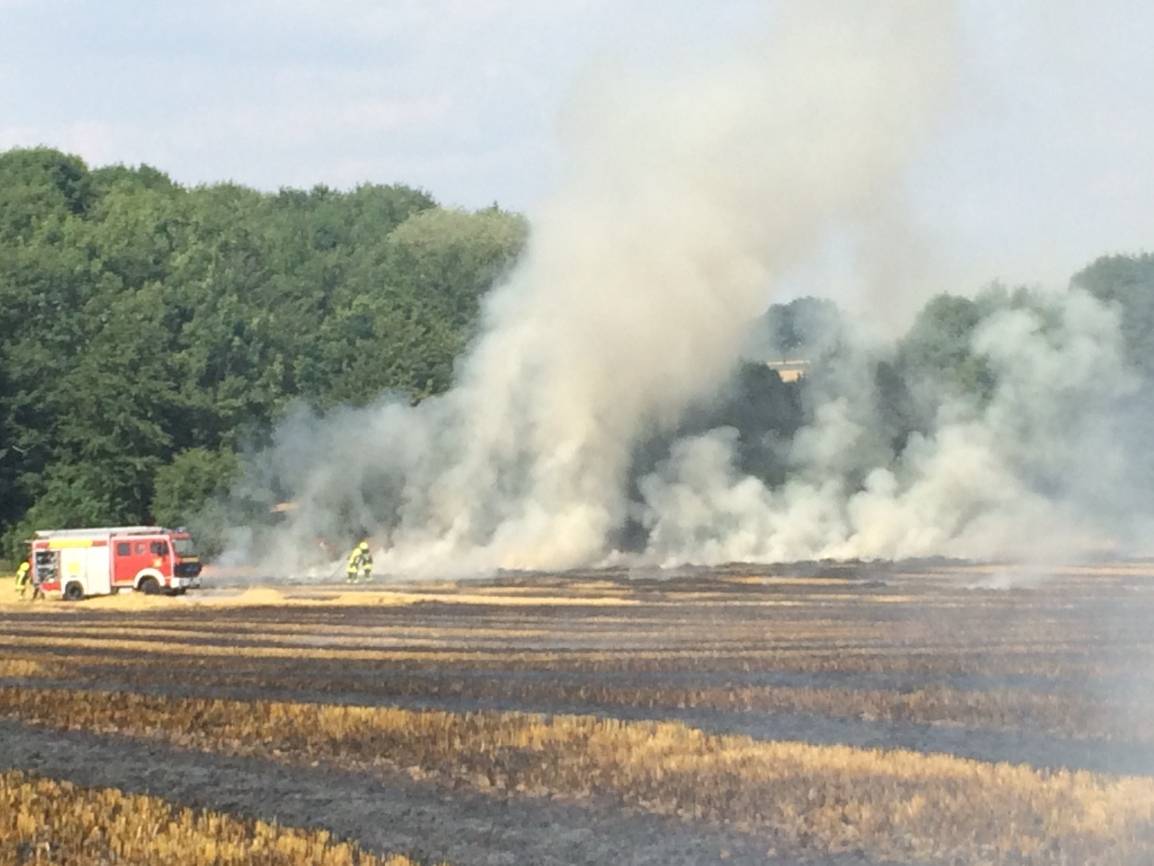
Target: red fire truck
column 79, row 562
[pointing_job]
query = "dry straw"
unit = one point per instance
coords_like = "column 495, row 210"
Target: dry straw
column 904, row 806
column 47, row 821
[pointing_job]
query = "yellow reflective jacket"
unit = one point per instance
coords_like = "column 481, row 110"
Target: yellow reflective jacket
column 359, row 560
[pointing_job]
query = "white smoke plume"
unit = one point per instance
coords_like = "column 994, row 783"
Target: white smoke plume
column 684, row 204
column 1035, row 471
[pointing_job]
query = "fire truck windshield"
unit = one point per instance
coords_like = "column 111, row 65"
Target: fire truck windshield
column 184, row 546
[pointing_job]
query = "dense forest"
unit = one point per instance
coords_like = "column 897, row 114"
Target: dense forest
column 154, row 332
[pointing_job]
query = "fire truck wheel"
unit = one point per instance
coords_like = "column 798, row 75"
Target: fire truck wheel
column 74, row 591
column 149, row 586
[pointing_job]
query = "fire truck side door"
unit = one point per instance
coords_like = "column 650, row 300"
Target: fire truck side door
column 125, row 563
column 136, row 557
column 98, row 570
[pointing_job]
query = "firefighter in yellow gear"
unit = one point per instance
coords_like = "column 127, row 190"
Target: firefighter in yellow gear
column 23, row 577
column 360, row 565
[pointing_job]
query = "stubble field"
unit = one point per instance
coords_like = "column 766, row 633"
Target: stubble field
column 917, row 714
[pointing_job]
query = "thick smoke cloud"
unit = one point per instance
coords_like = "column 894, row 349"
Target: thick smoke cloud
column 685, row 203
column 1035, row 469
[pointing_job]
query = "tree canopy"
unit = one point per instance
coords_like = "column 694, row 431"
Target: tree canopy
column 151, row 330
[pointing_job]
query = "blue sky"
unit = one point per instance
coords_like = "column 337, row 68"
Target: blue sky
column 1042, row 161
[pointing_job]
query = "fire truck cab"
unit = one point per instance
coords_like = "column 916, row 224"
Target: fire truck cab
column 75, row 563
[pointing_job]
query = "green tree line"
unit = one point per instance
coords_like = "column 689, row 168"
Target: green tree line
column 151, row 331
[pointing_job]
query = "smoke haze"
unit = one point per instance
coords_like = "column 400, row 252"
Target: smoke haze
column 1034, row 470
column 687, row 202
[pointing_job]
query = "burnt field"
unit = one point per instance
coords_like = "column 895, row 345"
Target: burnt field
column 928, row 714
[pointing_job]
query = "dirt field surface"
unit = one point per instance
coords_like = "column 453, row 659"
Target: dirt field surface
column 924, row 713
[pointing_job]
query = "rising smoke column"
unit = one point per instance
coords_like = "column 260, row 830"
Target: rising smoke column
column 683, row 202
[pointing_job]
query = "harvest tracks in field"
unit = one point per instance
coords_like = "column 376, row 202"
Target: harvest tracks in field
column 43, row 820
column 1062, row 669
